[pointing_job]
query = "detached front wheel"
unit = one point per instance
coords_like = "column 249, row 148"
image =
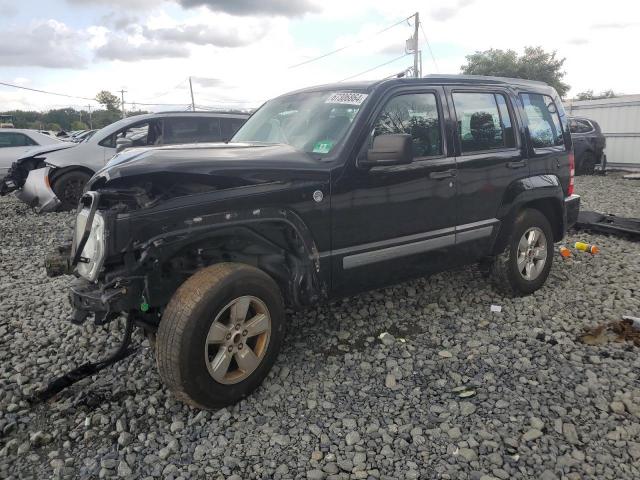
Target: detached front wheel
column 220, row 335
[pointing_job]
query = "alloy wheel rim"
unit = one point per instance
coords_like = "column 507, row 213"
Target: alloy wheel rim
column 532, row 253
column 237, row 340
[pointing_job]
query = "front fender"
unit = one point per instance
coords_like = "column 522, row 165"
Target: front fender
column 295, row 266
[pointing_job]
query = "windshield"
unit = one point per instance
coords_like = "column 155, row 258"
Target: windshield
column 313, row 122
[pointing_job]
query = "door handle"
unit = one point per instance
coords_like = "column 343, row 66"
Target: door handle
column 442, row 174
column 517, row 164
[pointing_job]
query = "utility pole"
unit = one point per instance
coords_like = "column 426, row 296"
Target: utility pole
column 193, row 103
column 90, row 119
column 122, row 92
column 416, row 71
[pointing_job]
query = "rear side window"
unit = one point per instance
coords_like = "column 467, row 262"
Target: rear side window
column 417, row 115
column 14, row 139
column 544, row 120
column 579, row 126
column 484, row 122
column 189, row 130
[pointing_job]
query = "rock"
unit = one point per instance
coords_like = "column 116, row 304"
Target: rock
column 454, row 433
column 390, row 381
column 570, row 433
column 387, row 339
column 536, row 423
column 531, row 434
column 109, row 463
column 634, row 450
column 352, row 438
column 467, row 408
column 617, row 407
column 316, row 475
column 125, row 439
column 39, row 438
column 199, row 453
column 468, row 454
column 445, row 354
column 176, row 426
column 123, row 469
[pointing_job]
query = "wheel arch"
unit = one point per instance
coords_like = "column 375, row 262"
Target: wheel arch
column 58, row 172
column 275, row 241
column 541, row 192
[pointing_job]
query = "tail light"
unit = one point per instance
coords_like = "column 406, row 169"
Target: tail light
column 572, row 172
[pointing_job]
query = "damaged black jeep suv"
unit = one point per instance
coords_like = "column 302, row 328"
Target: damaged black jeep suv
column 324, row 192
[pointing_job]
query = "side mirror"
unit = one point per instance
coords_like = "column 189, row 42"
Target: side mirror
column 391, row 149
column 123, row 143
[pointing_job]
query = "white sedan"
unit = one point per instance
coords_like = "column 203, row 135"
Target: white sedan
column 15, row 143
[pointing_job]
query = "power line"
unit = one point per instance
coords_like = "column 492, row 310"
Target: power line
column 351, row 44
column 376, row 67
column 44, row 91
column 429, row 47
column 168, row 91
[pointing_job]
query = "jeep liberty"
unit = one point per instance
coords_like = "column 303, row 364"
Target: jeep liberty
column 323, row 193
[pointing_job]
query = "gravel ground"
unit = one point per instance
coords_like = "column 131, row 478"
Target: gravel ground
column 340, row 402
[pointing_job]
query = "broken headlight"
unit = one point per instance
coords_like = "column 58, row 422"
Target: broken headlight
column 92, row 256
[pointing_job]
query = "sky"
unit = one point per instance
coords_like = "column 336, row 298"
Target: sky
column 240, row 53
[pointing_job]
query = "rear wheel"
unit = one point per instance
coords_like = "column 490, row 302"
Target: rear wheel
column 587, row 164
column 525, row 264
column 68, row 187
column 220, row 335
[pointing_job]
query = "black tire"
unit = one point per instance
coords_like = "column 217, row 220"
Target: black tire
column 181, row 340
column 68, row 187
column 587, row 165
column 504, row 272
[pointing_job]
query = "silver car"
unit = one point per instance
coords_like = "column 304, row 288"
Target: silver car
column 55, row 180
column 15, row 143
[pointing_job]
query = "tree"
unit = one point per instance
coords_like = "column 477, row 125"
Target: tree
column 589, row 95
column 109, row 100
column 534, row 64
column 78, row 125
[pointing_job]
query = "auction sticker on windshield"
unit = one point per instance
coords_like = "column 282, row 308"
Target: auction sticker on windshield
column 323, row 147
column 347, row 98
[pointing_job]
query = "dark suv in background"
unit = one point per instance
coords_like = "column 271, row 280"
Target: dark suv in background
column 324, row 192
column 588, row 145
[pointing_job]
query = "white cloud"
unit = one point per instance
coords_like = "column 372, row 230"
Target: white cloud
column 253, row 66
column 286, row 8
column 48, row 44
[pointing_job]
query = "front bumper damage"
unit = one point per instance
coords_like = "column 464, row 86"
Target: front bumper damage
column 103, row 302
column 36, row 191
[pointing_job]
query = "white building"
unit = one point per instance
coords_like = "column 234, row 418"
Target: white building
column 619, row 119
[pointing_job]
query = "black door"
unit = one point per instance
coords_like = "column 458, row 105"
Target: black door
column 490, row 156
column 394, row 222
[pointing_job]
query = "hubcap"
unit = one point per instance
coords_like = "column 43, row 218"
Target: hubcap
column 532, row 253
column 237, row 340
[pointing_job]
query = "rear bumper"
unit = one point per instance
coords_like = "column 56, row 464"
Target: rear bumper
column 37, row 193
column 571, row 210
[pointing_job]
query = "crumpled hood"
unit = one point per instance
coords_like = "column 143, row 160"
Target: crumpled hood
column 42, row 149
column 71, row 156
column 221, row 164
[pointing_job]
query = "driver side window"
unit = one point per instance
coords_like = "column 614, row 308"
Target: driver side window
column 417, row 115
